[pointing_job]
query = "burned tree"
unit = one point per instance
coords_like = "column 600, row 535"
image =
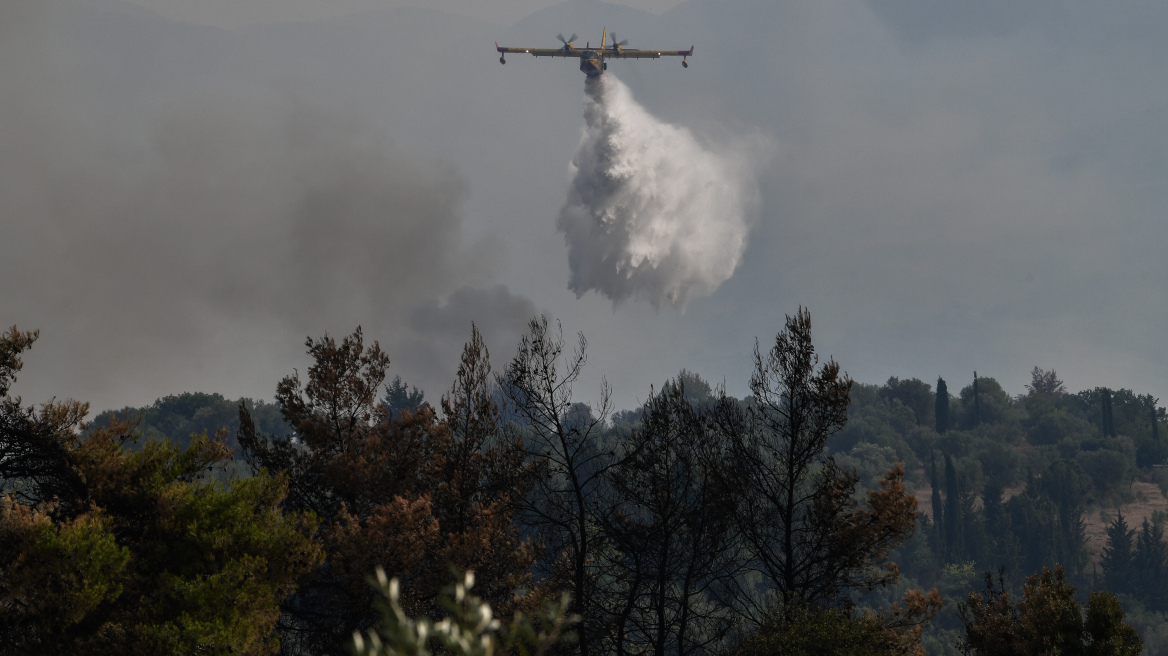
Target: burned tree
column 806, row 533
column 404, row 493
column 670, row 523
column 561, row 437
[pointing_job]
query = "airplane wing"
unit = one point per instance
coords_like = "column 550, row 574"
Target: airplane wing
column 638, row 53
column 541, row 52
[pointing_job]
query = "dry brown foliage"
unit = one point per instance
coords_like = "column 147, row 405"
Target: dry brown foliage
column 414, row 494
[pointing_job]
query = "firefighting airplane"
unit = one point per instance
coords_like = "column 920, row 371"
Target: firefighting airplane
column 592, row 59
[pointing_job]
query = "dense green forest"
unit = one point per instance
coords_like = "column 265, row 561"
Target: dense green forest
column 1008, row 484
column 816, row 515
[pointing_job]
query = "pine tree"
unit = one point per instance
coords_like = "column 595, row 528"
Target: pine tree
column 561, row 439
column 1048, row 619
column 112, row 543
column 942, row 406
column 1117, row 556
column 413, row 493
column 670, row 528
column 399, row 396
column 808, row 533
column 1150, row 561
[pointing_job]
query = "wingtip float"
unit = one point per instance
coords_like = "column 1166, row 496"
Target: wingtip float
column 592, row 60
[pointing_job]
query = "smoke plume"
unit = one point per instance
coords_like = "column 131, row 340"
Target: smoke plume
column 196, row 248
column 651, row 212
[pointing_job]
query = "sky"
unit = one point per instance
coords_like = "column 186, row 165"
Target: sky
column 242, row 13
column 189, row 190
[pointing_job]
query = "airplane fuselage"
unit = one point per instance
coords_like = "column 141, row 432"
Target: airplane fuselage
column 591, row 63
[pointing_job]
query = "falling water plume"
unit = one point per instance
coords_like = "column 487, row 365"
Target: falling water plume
column 652, row 213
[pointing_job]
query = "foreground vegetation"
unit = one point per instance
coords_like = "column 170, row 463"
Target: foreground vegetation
column 697, row 524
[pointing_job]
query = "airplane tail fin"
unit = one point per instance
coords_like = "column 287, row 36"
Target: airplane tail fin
column 603, row 39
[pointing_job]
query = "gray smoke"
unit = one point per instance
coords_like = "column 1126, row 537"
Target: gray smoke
column 195, row 249
column 652, row 213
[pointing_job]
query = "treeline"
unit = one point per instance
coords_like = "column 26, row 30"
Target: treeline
column 696, row 524
column 179, row 417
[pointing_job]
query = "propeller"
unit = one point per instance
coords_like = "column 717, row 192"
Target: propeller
column 568, row 41
column 615, row 44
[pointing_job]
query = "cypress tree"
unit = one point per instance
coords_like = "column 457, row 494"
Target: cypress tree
column 953, row 525
column 941, row 407
column 1108, row 420
column 976, row 402
column 1066, row 486
column 938, row 509
column 975, row 543
column 1001, row 547
column 1155, row 425
column 991, row 499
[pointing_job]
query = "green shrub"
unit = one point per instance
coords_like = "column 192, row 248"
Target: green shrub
column 469, row 630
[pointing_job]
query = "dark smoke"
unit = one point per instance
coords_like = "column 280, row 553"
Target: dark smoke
column 197, row 250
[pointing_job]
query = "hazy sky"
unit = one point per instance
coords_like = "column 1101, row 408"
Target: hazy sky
column 237, row 13
column 188, row 190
